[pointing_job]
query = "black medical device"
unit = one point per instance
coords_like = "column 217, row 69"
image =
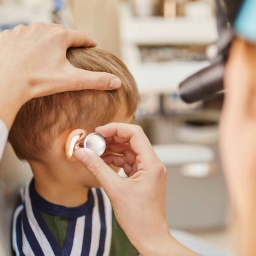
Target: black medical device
column 208, row 82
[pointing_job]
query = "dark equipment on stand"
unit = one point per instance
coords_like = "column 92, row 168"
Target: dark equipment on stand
column 208, row 82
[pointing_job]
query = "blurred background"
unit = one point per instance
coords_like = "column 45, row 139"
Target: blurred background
column 162, row 42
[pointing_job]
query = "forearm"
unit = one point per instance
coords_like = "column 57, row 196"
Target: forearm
column 246, row 226
column 246, row 232
column 9, row 106
column 166, row 245
column 246, row 209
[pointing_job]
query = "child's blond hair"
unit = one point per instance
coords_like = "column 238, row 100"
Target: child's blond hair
column 40, row 121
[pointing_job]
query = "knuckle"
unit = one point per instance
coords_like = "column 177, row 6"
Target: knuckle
column 101, row 81
column 77, row 83
column 138, row 129
column 60, row 26
column 164, row 171
column 95, row 169
column 60, row 34
column 39, row 24
column 19, row 27
column 60, row 30
column 160, row 170
column 5, row 32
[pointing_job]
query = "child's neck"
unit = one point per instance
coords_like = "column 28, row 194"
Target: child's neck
column 55, row 184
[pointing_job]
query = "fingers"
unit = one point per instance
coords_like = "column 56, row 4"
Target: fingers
column 116, row 139
column 125, row 133
column 73, row 38
column 107, row 178
column 125, row 150
column 78, row 79
column 78, row 39
column 136, row 138
column 84, row 79
column 119, row 161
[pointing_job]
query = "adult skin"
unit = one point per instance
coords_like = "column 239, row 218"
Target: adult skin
column 238, row 142
column 33, row 64
column 139, row 202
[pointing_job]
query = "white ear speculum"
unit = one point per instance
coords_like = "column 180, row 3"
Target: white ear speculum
column 93, row 141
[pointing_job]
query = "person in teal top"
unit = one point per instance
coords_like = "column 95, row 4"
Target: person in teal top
column 245, row 25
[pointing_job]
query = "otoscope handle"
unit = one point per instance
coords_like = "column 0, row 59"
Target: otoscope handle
column 203, row 84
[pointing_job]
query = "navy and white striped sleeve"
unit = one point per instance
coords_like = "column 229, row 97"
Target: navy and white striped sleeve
column 3, row 137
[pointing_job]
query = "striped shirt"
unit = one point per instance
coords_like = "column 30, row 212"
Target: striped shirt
column 89, row 229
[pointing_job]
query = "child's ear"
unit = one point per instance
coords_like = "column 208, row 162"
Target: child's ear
column 72, row 142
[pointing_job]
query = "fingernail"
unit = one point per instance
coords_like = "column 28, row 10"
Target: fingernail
column 81, row 155
column 115, row 83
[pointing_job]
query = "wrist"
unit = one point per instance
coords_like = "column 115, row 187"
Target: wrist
column 243, row 223
column 10, row 103
column 246, row 230
column 158, row 247
column 165, row 244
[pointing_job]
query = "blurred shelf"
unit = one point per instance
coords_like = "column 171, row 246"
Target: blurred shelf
column 160, row 31
column 163, row 77
column 19, row 14
column 179, row 154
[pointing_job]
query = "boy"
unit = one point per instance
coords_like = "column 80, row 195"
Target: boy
column 61, row 212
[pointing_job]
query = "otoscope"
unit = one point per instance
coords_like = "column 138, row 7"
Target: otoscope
column 233, row 16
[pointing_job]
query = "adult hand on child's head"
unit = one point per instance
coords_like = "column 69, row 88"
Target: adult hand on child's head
column 138, row 201
column 33, row 63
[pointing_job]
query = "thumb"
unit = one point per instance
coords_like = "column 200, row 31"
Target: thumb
column 98, row 168
column 96, row 80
